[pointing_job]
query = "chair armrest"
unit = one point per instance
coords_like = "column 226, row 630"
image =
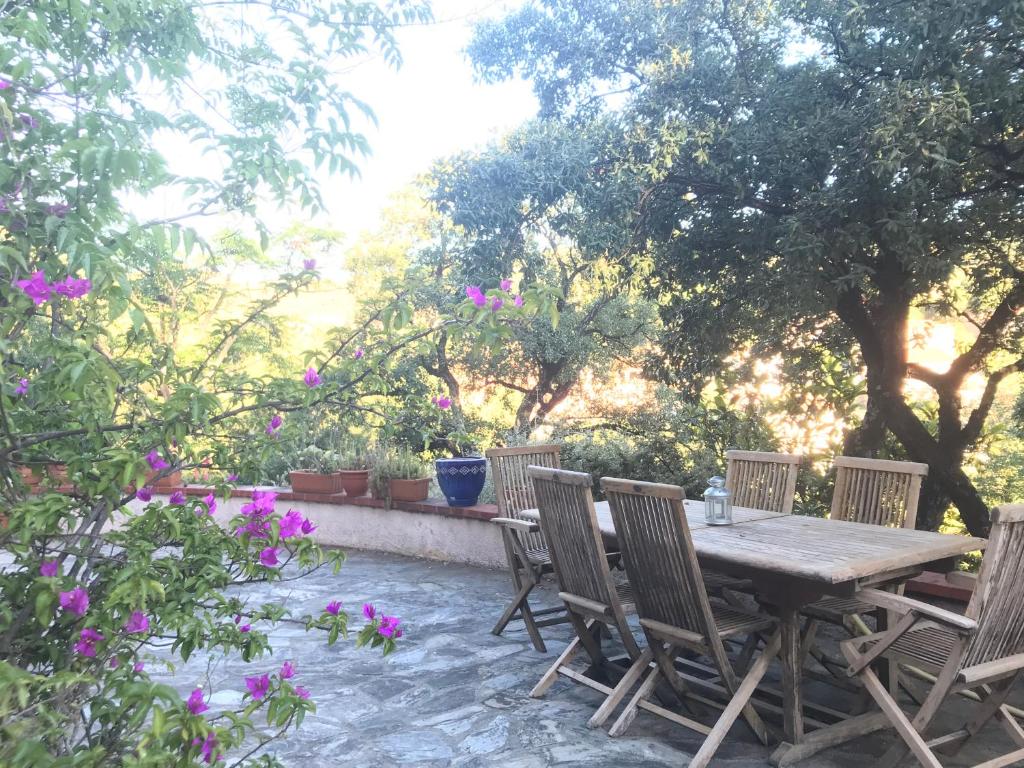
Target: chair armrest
column 962, row 579
column 523, row 526
column 903, row 605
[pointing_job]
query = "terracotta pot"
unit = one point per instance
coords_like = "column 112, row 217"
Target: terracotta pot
column 56, row 475
column 409, row 490
column 354, row 481
column 313, row 482
column 172, row 480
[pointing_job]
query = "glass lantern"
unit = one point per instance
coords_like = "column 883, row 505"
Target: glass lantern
column 718, row 503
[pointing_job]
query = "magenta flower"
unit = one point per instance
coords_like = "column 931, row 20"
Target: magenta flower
column 312, row 378
column 389, row 627
column 287, row 671
column 472, row 291
column 49, row 568
column 139, row 666
column 479, row 300
column 155, row 460
column 36, row 287
column 301, row 692
column 518, row 301
column 333, row 607
column 496, row 303
column 72, row 287
column 369, row 611
column 136, row 623
column 85, row 649
column 114, row 662
column 86, row 645
column 206, row 750
column 258, row 686
column 232, row 478
column 506, row 285
column 28, row 121
column 442, row 402
column 291, row 524
column 195, row 702
column 359, row 353
column 211, row 503
column 144, row 494
column 178, row 497
column 245, row 628
column 274, row 424
column 60, row 210
column 307, row 526
column 5, row 84
column 309, row 264
column 75, row 601
column 22, row 387
column 268, row 557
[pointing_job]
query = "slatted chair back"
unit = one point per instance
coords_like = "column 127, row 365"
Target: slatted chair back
column 998, row 600
column 877, row 491
column 762, row 480
column 512, row 487
column 569, row 523
column 659, row 556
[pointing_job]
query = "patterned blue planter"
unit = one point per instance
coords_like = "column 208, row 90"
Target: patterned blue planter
column 461, row 480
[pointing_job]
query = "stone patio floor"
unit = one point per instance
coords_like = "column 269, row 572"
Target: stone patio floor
column 455, row 695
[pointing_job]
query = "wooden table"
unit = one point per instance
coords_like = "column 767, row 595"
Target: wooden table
column 794, row 560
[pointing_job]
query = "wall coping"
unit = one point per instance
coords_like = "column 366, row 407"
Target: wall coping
column 432, row 506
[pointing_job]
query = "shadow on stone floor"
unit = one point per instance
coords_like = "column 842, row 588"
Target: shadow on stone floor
column 455, row 695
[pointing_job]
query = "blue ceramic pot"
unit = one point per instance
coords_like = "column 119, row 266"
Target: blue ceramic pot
column 461, row 480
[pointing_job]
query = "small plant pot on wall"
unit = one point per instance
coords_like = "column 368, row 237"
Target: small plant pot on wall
column 54, row 475
column 461, row 480
column 304, row 481
column 172, row 480
column 409, row 490
column 354, row 482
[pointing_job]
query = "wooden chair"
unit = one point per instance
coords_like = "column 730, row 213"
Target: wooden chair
column 676, row 613
column 592, row 598
column 762, row 480
column 525, row 547
column 981, row 651
column 877, row 492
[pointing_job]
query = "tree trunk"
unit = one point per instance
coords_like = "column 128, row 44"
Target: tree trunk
column 868, row 437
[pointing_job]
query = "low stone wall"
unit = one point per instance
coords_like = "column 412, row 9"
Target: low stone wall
column 429, row 529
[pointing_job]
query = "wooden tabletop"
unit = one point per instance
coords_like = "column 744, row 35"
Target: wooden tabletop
column 811, row 548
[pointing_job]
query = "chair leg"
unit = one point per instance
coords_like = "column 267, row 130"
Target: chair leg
column 739, row 703
column 549, row 677
column 988, row 709
column 912, row 738
column 635, row 671
column 629, row 714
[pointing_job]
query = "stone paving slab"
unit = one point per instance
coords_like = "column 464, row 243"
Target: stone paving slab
column 455, row 695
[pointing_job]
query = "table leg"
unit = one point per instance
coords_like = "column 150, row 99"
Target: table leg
column 791, row 657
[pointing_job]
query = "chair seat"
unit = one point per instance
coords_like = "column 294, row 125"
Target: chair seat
column 736, row 621
column 930, row 645
column 716, row 582
column 833, row 609
column 539, row 556
column 625, row 594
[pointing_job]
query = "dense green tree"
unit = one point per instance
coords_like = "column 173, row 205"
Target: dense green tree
column 813, row 172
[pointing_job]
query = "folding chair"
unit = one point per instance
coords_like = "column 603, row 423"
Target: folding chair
column 591, row 596
column 525, row 547
column 676, row 613
column 981, row 651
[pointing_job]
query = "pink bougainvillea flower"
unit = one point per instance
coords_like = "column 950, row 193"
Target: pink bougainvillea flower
column 195, row 702
column 506, row 285
column 211, row 503
column 144, row 494
column 60, row 210
column 312, row 378
column 155, row 460
column 5, row 84
column 359, row 354
column 258, row 686
column 114, row 662
column 291, row 524
column 178, row 497
column 72, row 287
column 36, row 287
column 518, row 301
column 442, row 402
column 309, row 264
column 85, row 649
column 209, row 744
column 49, row 568
column 245, row 628
column 472, row 291
column 389, row 627
column 308, row 527
column 301, row 692
column 22, row 387
column 369, row 611
column 86, row 645
column 138, row 666
column 75, row 601
column 333, row 607
column 287, row 671
column 136, row 623
column 274, row 424
column 496, row 303
column 479, row 300
column 268, row 557
column 28, row 121
column 232, row 478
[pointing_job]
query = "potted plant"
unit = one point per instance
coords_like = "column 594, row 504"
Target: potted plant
column 399, row 476
column 461, row 477
column 319, row 473
column 354, row 470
